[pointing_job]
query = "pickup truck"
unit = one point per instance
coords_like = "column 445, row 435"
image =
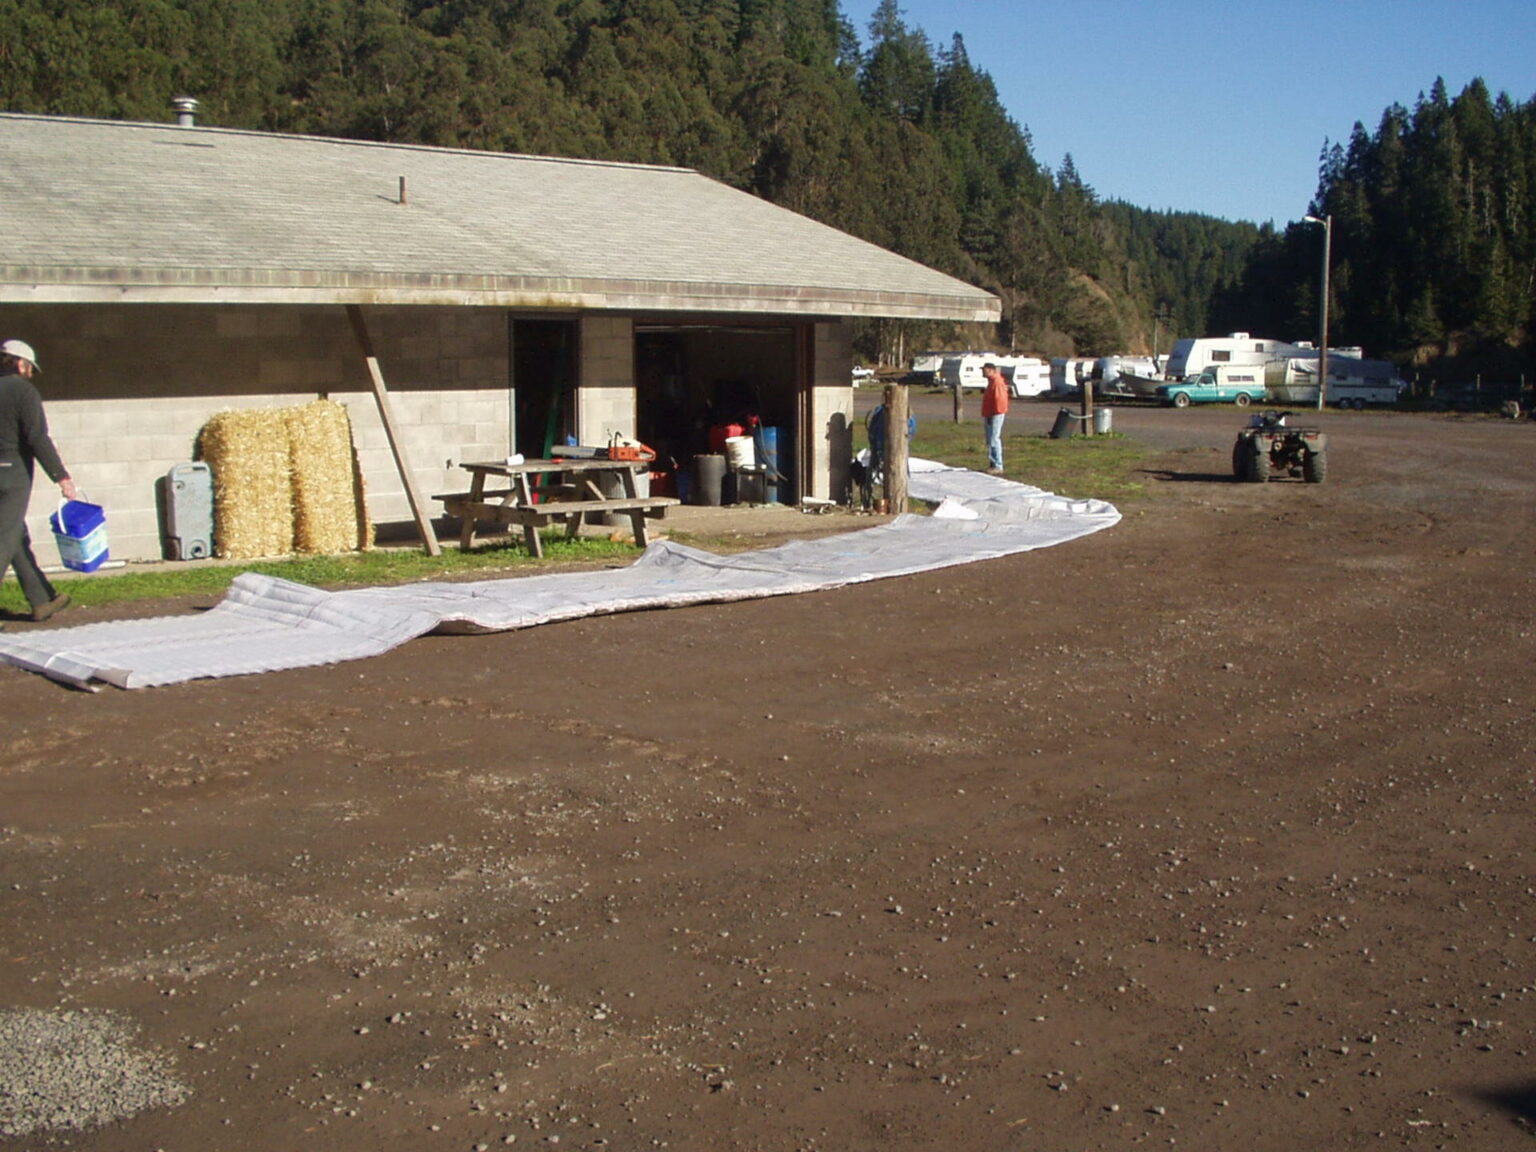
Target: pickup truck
column 1218, row 384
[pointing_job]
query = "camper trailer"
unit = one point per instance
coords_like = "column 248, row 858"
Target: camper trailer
column 964, row 370
column 1026, row 375
column 1353, row 382
column 925, row 367
column 1193, row 355
column 1070, row 373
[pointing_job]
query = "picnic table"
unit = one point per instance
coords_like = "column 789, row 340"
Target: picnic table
column 577, row 488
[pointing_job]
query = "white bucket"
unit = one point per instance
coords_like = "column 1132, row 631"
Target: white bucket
column 740, row 453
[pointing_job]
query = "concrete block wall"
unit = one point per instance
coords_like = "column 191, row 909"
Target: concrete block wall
column 831, row 430
column 127, row 388
column 605, row 397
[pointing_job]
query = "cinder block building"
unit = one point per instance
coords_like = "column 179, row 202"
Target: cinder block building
column 167, row 272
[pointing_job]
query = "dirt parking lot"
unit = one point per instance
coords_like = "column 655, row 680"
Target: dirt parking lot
column 1213, row 830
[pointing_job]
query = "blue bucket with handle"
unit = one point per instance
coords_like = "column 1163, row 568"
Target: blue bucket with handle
column 80, row 530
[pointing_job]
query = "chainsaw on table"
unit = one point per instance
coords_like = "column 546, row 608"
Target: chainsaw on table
column 617, row 448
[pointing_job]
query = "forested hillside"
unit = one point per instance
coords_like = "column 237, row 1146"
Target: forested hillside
column 1434, row 239
column 901, row 142
column 889, row 136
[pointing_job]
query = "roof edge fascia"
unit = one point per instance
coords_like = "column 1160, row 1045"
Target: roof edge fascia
column 74, row 285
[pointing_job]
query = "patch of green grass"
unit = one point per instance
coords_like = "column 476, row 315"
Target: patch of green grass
column 1100, row 467
column 359, row 569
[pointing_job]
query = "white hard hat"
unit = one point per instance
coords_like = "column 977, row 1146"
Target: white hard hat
column 19, row 348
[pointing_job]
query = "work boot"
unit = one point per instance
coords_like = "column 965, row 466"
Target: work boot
column 46, row 611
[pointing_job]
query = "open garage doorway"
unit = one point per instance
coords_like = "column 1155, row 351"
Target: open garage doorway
column 696, row 384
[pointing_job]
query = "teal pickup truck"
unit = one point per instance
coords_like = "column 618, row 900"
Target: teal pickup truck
column 1218, row 384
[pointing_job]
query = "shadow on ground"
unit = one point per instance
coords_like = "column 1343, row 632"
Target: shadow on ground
column 1519, row 1100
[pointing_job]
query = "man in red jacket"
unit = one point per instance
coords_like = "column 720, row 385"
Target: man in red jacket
column 994, row 407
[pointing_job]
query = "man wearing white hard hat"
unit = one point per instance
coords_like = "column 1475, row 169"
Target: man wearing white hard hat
column 24, row 441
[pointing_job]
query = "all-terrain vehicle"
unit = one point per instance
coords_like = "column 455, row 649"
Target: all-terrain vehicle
column 1272, row 446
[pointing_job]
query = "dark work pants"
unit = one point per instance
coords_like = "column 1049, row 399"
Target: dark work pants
column 16, row 541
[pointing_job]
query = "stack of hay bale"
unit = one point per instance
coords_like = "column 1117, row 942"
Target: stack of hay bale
column 285, row 480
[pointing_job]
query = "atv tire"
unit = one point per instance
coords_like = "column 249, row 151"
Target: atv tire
column 1256, row 463
column 1314, row 467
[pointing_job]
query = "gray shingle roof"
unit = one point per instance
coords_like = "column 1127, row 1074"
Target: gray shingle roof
column 101, row 210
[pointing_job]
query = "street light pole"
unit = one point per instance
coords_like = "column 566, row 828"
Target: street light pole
column 1322, row 349
column 1158, row 316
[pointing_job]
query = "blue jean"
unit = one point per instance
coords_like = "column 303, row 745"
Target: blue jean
column 994, row 427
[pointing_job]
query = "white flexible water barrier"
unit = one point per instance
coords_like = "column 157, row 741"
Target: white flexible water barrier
column 265, row 624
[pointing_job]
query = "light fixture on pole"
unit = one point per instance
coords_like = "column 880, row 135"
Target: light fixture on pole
column 1322, row 343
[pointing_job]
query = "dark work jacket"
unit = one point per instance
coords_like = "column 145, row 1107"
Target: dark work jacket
column 24, row 430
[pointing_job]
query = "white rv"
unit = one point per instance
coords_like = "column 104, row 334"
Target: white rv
column 927, row 364
column 1068, row 374
column 1026, row 375
column 1353, row 382
column 1193, row 355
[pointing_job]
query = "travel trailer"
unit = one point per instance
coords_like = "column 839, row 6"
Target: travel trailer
column 1353, row 382
column 925, row 367
column 1194, row 354
column 1068, row 374
column 1027, row 376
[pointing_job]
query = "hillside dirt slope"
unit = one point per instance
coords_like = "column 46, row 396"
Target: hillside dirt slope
column 1211, row 830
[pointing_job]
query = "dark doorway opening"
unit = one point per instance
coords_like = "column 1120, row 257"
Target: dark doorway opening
column 543, row 382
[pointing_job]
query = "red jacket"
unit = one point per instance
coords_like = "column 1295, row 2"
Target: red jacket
column 994, row 401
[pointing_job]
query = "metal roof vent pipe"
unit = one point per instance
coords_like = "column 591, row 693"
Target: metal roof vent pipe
column 186, row 111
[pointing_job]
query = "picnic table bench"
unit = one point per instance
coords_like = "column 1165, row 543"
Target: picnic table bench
column 578, row 494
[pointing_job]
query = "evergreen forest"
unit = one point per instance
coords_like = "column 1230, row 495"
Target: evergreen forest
column 1433, row 240
column 888, row 135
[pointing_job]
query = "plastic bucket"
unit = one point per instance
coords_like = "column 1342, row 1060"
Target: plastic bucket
column 740, row 453
column 720, row 433
column 80, row 530
column 708, row 478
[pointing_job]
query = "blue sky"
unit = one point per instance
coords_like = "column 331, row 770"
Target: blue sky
column 1220, row 106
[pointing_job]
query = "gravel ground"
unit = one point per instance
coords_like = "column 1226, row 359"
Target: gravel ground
column 67, row 1071
column 1211, row 829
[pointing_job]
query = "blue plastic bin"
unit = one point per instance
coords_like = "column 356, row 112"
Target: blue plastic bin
column 80, row 530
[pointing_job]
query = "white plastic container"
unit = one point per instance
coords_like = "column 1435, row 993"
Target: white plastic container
column 740, row 453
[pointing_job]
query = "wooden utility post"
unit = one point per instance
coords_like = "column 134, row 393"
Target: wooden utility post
column 956, row 393
column 1087, row 408
column 387, row 415
column 896, row 447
